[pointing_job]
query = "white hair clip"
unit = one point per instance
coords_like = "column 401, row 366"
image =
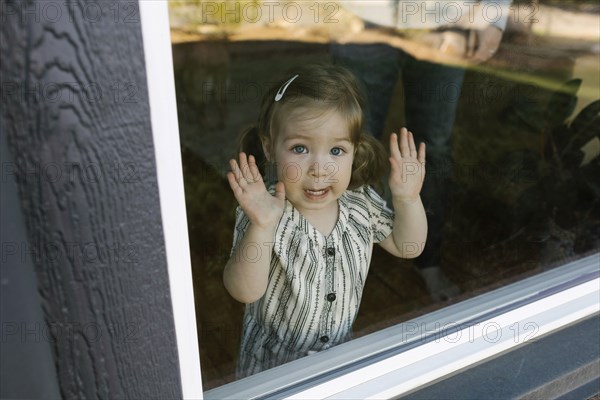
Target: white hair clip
column 283, row 88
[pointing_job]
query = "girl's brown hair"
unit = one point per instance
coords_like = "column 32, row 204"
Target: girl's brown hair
column 323, row 88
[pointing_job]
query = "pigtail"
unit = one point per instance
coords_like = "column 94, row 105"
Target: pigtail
column 370, row 163
column 249, row 142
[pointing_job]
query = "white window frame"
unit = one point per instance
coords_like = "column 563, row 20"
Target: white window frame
column 385, row 364
column 410, row 355
column 154, row 18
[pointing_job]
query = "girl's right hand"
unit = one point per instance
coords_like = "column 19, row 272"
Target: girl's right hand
column 263, row 209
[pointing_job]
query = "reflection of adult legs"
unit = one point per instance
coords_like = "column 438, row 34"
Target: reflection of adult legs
column 431, row 96
column 377, row 67
column 431, row 93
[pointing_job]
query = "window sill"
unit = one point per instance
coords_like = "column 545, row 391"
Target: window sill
column 410, row 355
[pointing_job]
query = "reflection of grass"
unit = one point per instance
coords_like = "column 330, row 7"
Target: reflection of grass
column 534, row 79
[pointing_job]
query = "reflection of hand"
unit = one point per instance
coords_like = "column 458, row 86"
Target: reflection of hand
column 408, row 166
column 482, row 44
column 262, row 208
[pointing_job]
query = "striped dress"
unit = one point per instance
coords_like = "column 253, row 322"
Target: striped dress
column 315, row 281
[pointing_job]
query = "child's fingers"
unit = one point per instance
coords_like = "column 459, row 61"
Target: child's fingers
column 237, row 173
column 233, row 183
column 411, row 144
column 235, row 169
column 247, row 176
column 421, row 154
column 245, row 169
column 256, row 177
column 404, row 149
column 394, row 148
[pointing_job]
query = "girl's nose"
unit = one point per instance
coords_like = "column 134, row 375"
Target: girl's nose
column 321, row 168
column 317, row 170
column 317, row 167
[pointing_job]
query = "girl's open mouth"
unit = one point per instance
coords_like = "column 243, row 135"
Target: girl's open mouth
column 316, row 194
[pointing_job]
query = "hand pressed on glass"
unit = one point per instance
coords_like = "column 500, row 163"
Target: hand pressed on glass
column 407, row 166
column 262, row 208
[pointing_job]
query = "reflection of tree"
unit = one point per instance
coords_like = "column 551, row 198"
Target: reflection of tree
column 561, row 208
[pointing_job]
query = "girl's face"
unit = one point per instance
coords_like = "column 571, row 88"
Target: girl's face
column 314, row 157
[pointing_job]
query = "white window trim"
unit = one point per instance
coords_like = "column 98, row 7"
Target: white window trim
column 385, row 364
column 457, row 350
column 402, row 358
column 154, row 17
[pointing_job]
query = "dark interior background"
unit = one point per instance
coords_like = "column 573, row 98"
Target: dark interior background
column 516, row 208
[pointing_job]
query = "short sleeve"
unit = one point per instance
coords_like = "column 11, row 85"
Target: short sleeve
column 381, row 218
column 241, row 225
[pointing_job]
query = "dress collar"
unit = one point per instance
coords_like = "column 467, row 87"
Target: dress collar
column 292, row 214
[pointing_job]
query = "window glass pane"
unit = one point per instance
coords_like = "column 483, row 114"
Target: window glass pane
column 504, row 93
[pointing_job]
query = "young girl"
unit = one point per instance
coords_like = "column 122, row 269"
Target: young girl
column 302, row 248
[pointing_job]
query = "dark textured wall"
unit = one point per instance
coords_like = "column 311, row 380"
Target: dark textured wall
column 24, row 353
column 76, row 116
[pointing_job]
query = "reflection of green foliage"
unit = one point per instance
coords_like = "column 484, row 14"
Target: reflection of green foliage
column 566, row 193
column 214, row 12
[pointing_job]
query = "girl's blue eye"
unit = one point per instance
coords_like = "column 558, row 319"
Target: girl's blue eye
column 299, row 149
column 336, row 151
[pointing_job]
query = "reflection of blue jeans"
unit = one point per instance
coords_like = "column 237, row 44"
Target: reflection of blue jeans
column 431, row 93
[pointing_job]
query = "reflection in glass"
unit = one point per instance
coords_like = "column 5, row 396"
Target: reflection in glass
column 524, row 143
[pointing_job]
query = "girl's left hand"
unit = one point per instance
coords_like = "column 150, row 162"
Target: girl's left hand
column 408, row 166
